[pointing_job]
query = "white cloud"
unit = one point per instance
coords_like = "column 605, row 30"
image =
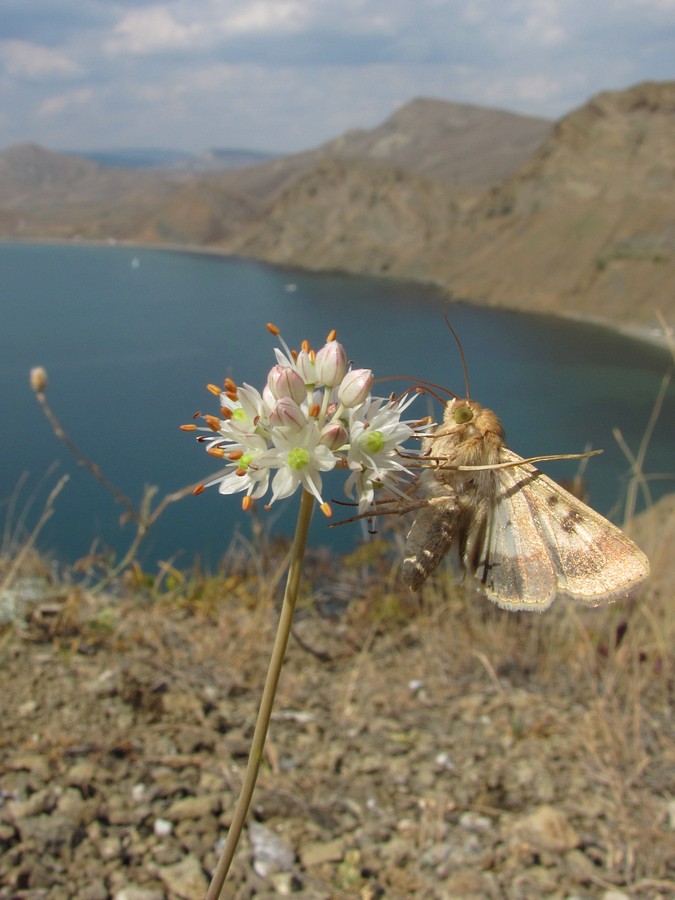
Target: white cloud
column 60, row 103
column 267, row 15
column 152, row 30
column 23, row 59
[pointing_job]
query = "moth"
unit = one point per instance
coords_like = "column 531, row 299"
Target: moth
column 517, row 535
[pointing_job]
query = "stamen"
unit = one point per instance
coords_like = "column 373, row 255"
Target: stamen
column 199, row 489
column 226, row 413
column 272, row 330
column 216, row 451
column 232, row 395
column 229, row 385
column 305, row 346
column 326, row 509
column 197, row 414
column 212, row 422
column 314, row 411
column 240, row 472
column 215, row 390
column 246, row 503
column 332, row 334
column 188, row 427
column 235, row 455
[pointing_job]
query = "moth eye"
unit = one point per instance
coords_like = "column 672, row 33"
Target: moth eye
column 462, row 415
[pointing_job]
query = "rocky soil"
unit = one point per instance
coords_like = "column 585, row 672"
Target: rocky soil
column 434, row 747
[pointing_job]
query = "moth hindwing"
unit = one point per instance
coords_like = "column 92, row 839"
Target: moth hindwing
column 511, row 530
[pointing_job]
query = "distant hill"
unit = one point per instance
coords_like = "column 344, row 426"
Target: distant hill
column 462, row 145
column 47, row 194
column 585, row 226
column 495, row 208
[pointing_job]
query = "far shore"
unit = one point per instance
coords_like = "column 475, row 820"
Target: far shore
column 658, row 335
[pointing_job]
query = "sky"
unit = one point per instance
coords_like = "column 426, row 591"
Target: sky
column 286, row 75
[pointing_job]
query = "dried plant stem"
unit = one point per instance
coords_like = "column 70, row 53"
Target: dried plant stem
column 23, row 553
column 132, row 512
column 143, row 518
column 269, row 692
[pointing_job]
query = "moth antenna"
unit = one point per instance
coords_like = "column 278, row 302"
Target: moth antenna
column 461, row 354
column 421, row 386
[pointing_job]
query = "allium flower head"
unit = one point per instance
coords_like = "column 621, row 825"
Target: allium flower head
column 313, row 415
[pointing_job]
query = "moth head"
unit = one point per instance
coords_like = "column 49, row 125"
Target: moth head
column 460, row 412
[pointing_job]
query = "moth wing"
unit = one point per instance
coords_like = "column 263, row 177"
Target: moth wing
column 506, row 552
column 567, row 548
column 431, row 535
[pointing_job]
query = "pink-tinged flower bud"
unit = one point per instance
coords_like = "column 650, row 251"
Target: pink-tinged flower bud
column 331, row 364
column 355, row 387
column 268, row 397
column 334, row 435
column 306, row 368
column 287, row 412
column 286, row 382
column 38, row 379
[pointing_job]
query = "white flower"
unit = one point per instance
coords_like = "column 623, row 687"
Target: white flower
column 299, row 457
column 311, row 416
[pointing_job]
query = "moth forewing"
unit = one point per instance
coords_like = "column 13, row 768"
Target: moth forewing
column 595, row 561
column 522, row 538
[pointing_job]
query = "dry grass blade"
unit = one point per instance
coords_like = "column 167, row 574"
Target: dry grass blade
column 28, row 545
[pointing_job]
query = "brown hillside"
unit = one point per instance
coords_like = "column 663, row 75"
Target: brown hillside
column 586, row 226
column 589, row 222
column 463, row 145
column 46, row 194
column 358, row 216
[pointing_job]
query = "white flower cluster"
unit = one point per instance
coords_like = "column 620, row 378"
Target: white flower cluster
column 313, row 415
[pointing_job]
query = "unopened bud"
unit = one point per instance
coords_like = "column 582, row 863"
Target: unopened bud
column 355, row 387
column 334, row 435
column 286, row 382
column 331, row 364
column 38, row 379
column 287, row 412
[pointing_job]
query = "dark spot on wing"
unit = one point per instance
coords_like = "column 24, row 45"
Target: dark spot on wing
column 571, row 520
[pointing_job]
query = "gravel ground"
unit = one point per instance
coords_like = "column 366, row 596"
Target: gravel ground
column 435, row 748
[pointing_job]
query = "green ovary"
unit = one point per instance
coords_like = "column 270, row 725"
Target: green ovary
column 372, row 441
column 245, row 461
column 298, row 458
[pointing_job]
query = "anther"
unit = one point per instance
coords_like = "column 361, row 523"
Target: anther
column 188, row 427
column 215, row 390
column 212, row 422
column 199, row 489
column 272, row 328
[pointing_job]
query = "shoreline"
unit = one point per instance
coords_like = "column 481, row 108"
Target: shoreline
column 663, row 338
